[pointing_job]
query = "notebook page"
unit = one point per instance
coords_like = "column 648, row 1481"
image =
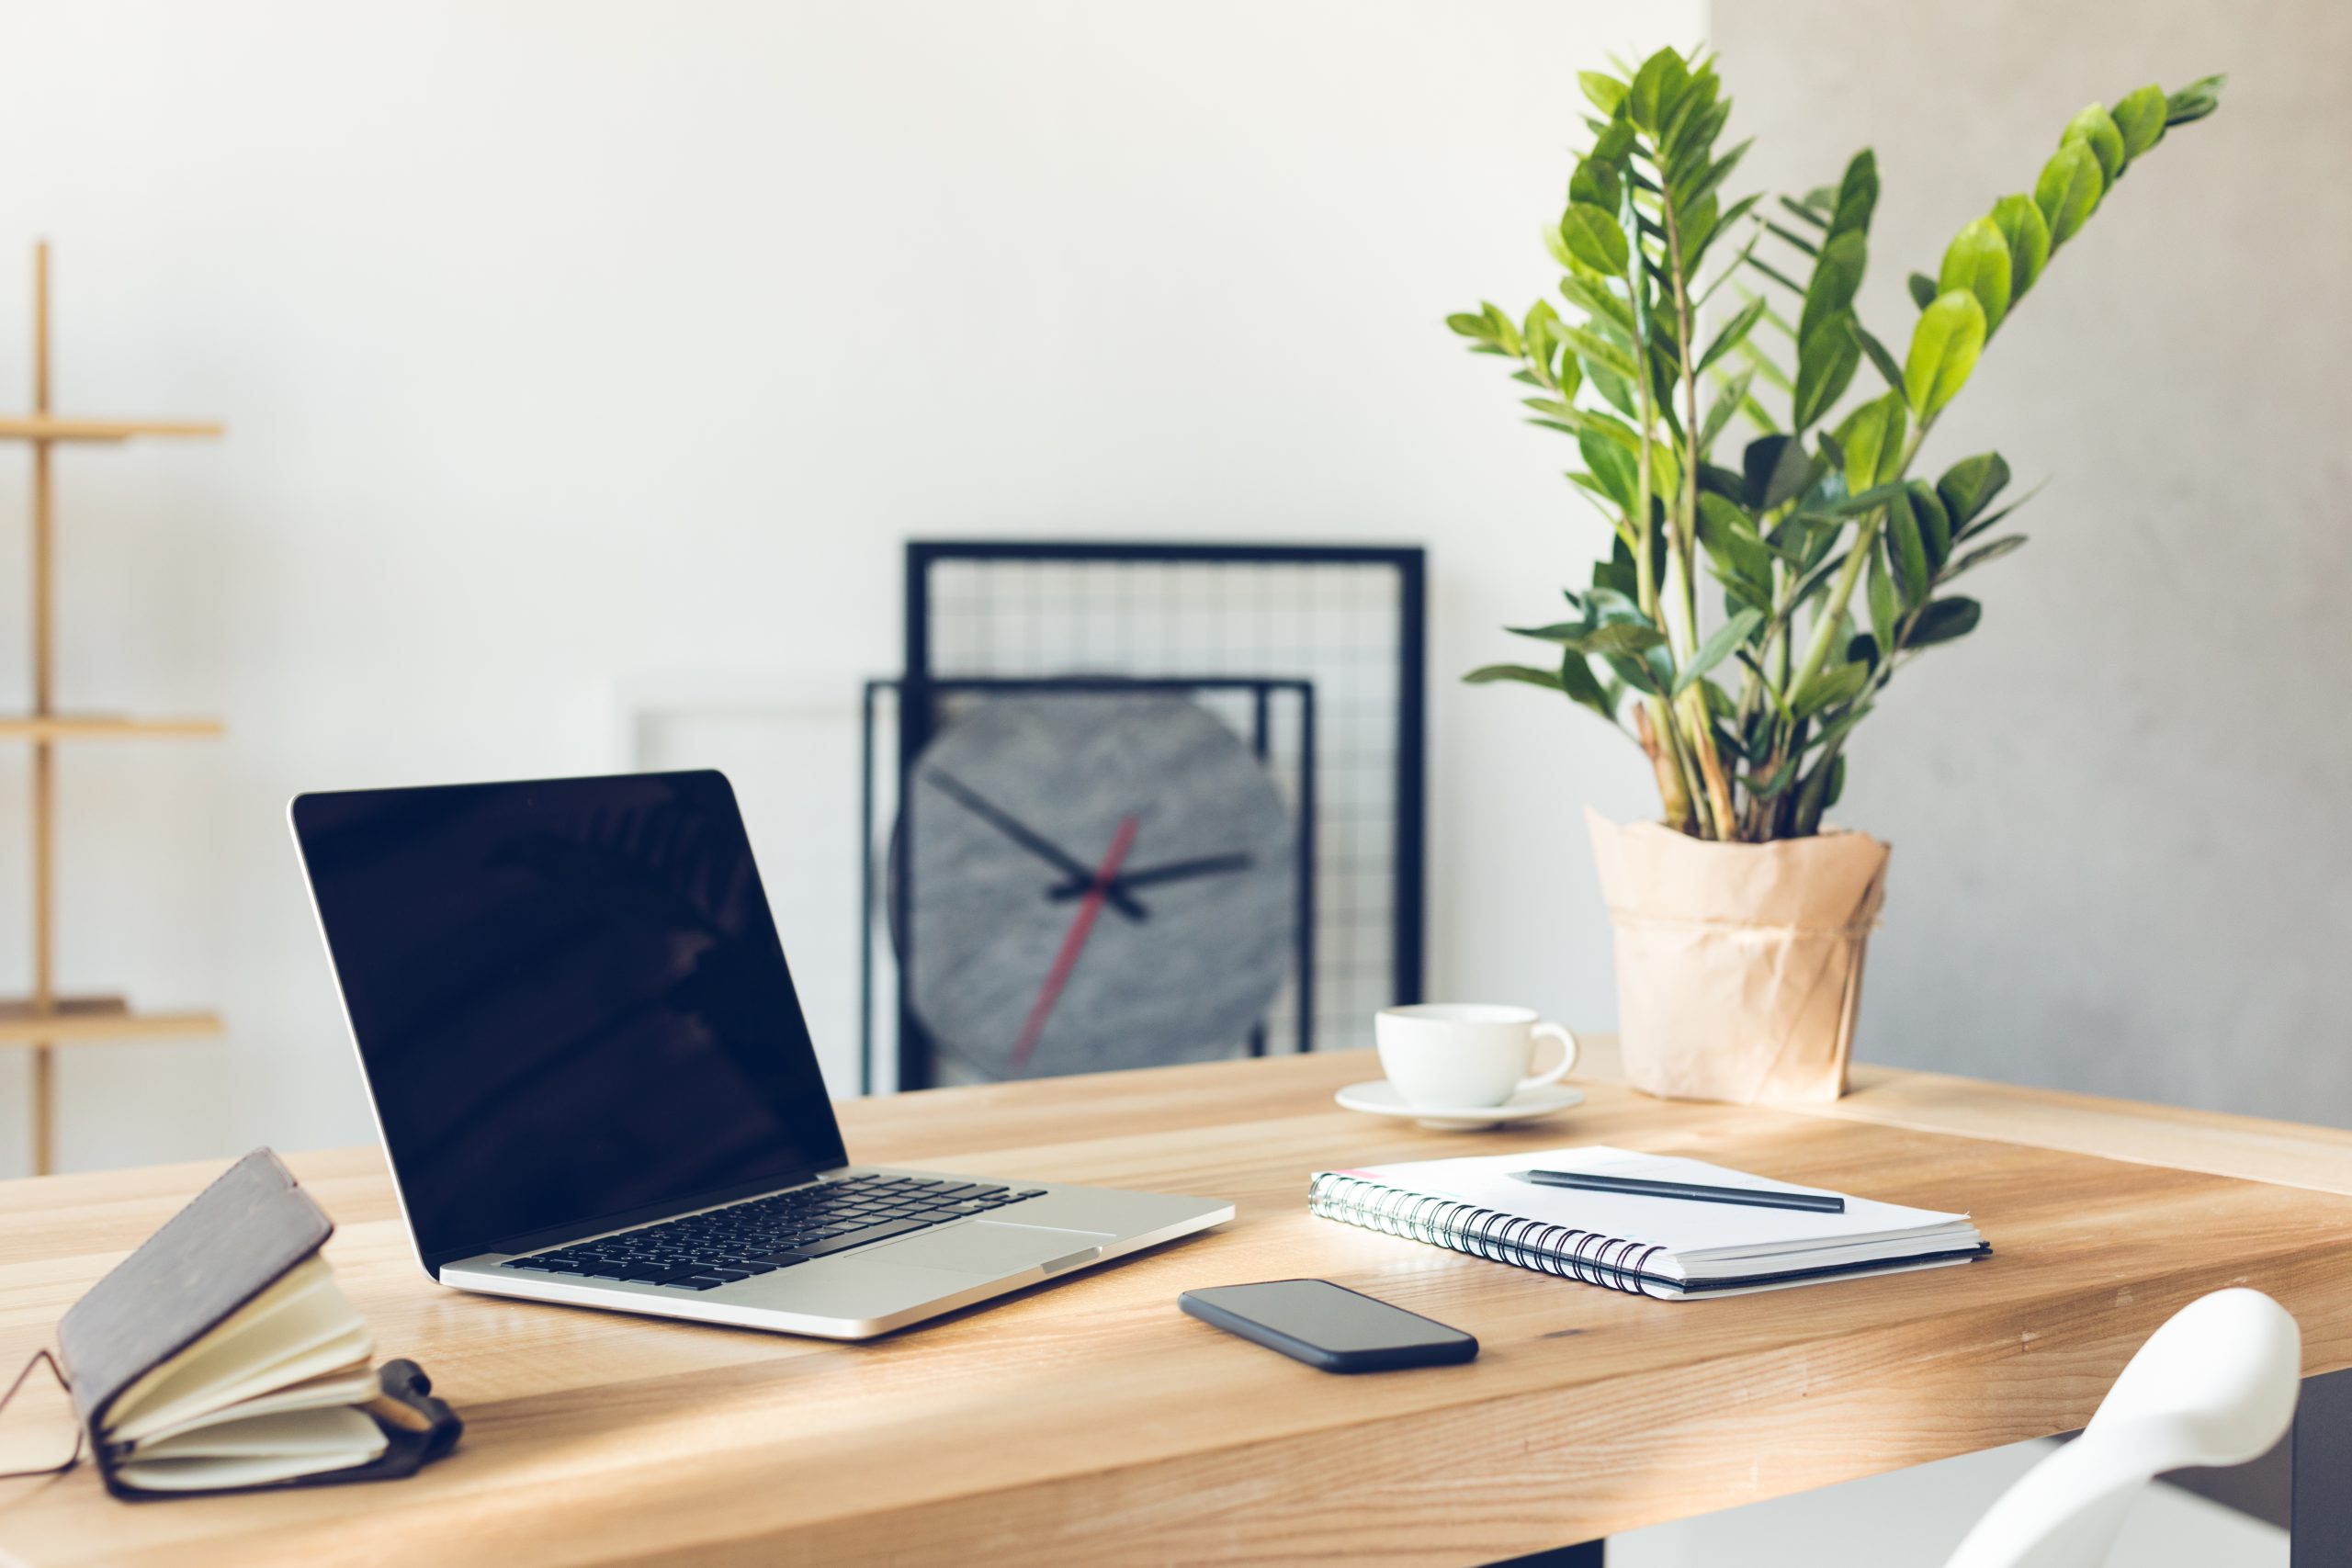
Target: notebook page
column 1690, row 1231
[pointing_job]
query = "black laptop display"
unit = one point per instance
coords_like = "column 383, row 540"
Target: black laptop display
column 570, row 1001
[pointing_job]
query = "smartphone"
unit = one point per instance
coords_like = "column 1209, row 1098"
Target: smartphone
column 1329, row 1325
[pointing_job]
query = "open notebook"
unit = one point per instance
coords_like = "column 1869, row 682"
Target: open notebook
column 271, row 1393
column 222, row 1355
column 1673, row 1248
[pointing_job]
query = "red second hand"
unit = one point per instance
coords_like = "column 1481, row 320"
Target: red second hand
column 1073, row 943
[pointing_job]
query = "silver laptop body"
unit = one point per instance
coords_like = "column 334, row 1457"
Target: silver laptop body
column 595, row 1086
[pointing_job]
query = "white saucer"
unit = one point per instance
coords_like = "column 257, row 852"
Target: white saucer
column 1380, row 1099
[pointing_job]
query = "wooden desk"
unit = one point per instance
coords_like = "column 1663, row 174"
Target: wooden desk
column 1090, row 1422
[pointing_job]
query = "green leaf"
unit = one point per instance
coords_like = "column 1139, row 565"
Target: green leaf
column 1782, row 279
column 1857, row 195
column 1506, row 329
column 1837, row 277
column 2140, row 117
column 1778, row 469
column 1731, row 541
column 1935, row 523
column 1944, row 347
column 1610, row 637
column 1578, row 682
column 1978, row 262
column 2068, row 190
column 1656, row 86
column 1732, row 391
column 1815, row 582
column 1578, row 422
column 1733, row 331
column 1616, row 469
column 1593, row 237
column 2028, row 233
column 1557, row 246
column 1872, row 438
column 1837, row 683
column 2195, row 101
column 1983, row 554
column 1598, row 301
column 1969, row 485
column 1826, row 364
column 1718, row 647
column 1942, row 621
column 1993, row 519
column 1877, row 350
column 1595, row 183
column 1488, row 674
column 2099, row 132
column 1598, row 351
column 1695, row 243
column 1617, row 574
column 1636, row 673
column 1923, row 289
column 1605, row 91
column 1884, row 605
column 1906, row 551
column 1472, row 326
column 1813, row 215
column 1616, row 140
column 1712, row 181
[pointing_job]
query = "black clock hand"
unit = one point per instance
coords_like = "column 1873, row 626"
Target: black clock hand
column 1144, row 876
column 1037, row 844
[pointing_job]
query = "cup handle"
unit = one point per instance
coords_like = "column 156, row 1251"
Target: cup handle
column 1568, row 1052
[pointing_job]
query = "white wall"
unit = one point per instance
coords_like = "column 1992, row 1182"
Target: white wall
column 569, row 347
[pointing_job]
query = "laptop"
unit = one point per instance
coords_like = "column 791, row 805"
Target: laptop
column 596, row 1087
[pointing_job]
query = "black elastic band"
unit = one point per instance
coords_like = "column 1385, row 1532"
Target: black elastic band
column 26, row 1370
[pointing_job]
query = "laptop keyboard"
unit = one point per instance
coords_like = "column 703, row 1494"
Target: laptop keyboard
column 702, row 1252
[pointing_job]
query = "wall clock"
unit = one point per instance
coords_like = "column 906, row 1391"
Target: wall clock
column 1090, row 880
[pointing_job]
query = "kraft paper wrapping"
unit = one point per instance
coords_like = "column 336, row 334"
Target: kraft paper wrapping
column 1740, row 966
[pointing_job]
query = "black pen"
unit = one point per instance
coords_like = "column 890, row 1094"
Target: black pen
column 1636, row 1187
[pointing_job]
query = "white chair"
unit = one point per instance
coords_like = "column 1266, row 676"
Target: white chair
column 2215, row 1385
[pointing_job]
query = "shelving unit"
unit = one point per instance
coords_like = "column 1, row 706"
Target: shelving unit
column 46, row 1019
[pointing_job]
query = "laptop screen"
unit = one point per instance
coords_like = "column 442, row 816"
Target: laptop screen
column 570, row 1001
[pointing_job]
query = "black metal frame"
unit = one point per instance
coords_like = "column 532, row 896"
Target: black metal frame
column 1408, row 952
column 914, row 1049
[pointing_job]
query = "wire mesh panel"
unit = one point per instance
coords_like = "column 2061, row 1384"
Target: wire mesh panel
column 1347, row 620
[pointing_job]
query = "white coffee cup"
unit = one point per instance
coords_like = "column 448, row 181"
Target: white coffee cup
column 1464, row 1053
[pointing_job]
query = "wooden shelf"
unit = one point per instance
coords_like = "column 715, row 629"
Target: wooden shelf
column 57, row 427
column 99, row 727
column 82, row 1021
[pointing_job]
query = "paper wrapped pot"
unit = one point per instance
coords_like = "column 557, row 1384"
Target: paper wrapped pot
column 1740, row 966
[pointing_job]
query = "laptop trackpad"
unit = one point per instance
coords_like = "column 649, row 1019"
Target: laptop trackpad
column 992, row 1248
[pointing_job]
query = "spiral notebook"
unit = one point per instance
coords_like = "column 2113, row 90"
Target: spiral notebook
column 1671, row 1248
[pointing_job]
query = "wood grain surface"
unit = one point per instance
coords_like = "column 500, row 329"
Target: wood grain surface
column 1091, row 1422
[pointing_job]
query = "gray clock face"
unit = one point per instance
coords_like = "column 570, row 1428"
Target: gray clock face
column 1023, row 960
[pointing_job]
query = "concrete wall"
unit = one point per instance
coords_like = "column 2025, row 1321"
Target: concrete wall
column 2122, row 861
column 573, row 351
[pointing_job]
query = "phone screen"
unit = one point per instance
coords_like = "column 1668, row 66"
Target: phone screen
column 1329, row 1317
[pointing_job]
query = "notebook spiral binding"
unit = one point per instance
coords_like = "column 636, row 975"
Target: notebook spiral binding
column 1587, row 1256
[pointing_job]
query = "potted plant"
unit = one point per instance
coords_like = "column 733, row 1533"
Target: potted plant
column 1741, row 919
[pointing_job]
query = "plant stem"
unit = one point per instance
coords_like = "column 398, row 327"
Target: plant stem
column 1832, row 615
column 1681, row 545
